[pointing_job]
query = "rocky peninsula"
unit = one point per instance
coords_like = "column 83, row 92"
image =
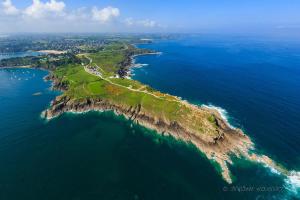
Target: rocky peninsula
column 94, row 88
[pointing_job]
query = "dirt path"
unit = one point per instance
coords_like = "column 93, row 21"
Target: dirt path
column 97, row 73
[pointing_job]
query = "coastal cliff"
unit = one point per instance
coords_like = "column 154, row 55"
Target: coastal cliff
column 227, row 141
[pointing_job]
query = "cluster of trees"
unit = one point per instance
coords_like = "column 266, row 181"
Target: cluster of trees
column 53, row 61
column 19, row 61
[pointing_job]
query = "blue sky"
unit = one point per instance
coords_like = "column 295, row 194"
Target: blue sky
column 228, row 16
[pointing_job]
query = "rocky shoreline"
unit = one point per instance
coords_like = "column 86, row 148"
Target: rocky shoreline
column 228, row 142
column 129, row 63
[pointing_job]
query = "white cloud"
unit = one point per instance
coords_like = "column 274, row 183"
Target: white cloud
column 55, row 6
column 54, row 16
column 9, row 8
column 129, row 21
column 145, row 23
column 148, row 23
column 81, row 13
column 39, row 9
column 105, row 14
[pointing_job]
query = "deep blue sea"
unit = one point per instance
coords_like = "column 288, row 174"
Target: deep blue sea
column 103, row 156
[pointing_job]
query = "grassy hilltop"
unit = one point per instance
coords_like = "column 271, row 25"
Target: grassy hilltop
column 126, row 92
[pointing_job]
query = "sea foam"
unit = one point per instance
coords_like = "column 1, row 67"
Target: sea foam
column 139, row 65
column 293, row 182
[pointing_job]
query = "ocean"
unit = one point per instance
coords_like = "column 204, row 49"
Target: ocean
column 102, row 156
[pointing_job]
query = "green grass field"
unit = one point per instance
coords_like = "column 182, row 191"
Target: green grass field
column 83, row 85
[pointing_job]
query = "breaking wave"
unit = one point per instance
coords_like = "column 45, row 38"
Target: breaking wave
column 222, row 112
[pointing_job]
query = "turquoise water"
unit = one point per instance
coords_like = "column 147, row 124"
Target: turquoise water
column 103, row 156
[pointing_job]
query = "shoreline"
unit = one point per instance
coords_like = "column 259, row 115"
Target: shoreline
column 223, row 113
column 133, row 62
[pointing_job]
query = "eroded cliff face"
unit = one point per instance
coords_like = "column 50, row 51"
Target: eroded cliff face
column 57, row 84
column 218, row 148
